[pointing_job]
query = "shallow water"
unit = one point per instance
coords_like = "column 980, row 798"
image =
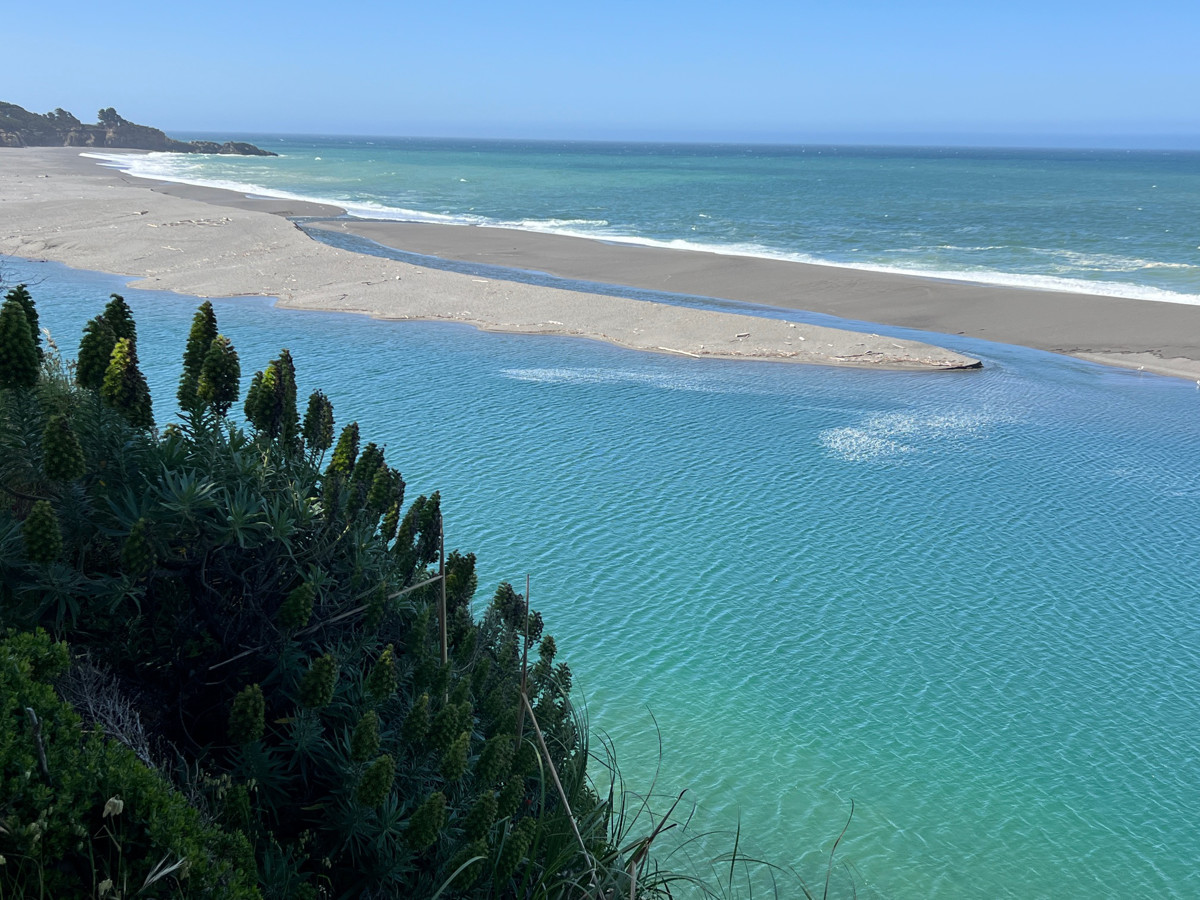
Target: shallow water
column 964, row 600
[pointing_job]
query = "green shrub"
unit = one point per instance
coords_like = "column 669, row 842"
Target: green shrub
column 79, row 809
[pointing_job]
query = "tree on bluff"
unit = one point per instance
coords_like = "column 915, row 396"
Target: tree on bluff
column 109, row 117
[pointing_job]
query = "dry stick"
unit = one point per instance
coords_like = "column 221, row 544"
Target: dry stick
column 37, row 740
column 442, row 575
column 524, row 670
column 562, row 794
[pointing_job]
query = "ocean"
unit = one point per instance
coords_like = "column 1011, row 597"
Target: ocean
column 965, row 602
column 1120, row 223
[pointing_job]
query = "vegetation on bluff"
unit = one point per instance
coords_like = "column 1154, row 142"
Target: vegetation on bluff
column 21, row 128
column 278, row 681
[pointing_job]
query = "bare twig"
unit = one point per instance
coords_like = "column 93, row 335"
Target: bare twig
column 37, row 740
column 562, row 794
column 524, row 667
column 442, row 576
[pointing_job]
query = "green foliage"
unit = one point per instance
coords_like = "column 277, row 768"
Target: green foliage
column 364, row 743
column 119, row 317
column 271, row 401
column 345, row 453
column 41, row 534
column 246, row 718
column 62, row 455
column 496, row 760
column 21, row 294
column 78, row 809
column 137, row 553
column 376, row 782
column 297, row 608
column 416, row 723
column 220, row 376
column 18, row 350
column 280, row 638
column 200, row 338
column 454, row 760
column 124, row 387
column 95, row 351
column 381, row 683
column 318, row 684
column 426, row 822
column 482, row 815
column 514, row 849
column 318, row 423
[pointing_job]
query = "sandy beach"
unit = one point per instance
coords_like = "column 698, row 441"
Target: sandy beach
column 58, row 205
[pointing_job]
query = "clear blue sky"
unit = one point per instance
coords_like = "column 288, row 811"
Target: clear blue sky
column 1068, row 72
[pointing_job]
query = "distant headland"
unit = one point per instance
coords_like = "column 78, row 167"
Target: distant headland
column 21, row 128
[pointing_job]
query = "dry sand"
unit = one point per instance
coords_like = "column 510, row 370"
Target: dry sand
column 56, row 205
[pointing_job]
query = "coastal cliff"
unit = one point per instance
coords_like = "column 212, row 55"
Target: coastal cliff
column 21, row 128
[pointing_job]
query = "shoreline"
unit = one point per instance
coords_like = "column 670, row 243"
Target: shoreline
column 1159, row 337
column 56, row 204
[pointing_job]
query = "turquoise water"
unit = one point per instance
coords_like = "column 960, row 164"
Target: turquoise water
column 1098, row 221
column 965, row 601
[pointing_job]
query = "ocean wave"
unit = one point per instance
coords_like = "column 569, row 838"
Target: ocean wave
column 1106, row 262
column 551, row 225
column 174, row 167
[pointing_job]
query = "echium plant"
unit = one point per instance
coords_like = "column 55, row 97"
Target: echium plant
column 19, row 357
column 271, row 401
column 124, row 387
column 318, row 423
column 220, row 373
column 95, row 351
column 200, row 338
column 21, row 294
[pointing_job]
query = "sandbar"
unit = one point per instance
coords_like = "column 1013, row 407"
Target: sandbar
column 1156, row 336
column 55, row 204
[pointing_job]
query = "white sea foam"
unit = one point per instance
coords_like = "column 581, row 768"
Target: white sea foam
column 173, row 167
column 553, row 226
column 888, row 436
column 668, row 381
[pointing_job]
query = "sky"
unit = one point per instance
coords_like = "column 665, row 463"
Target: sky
column 1049, row 73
